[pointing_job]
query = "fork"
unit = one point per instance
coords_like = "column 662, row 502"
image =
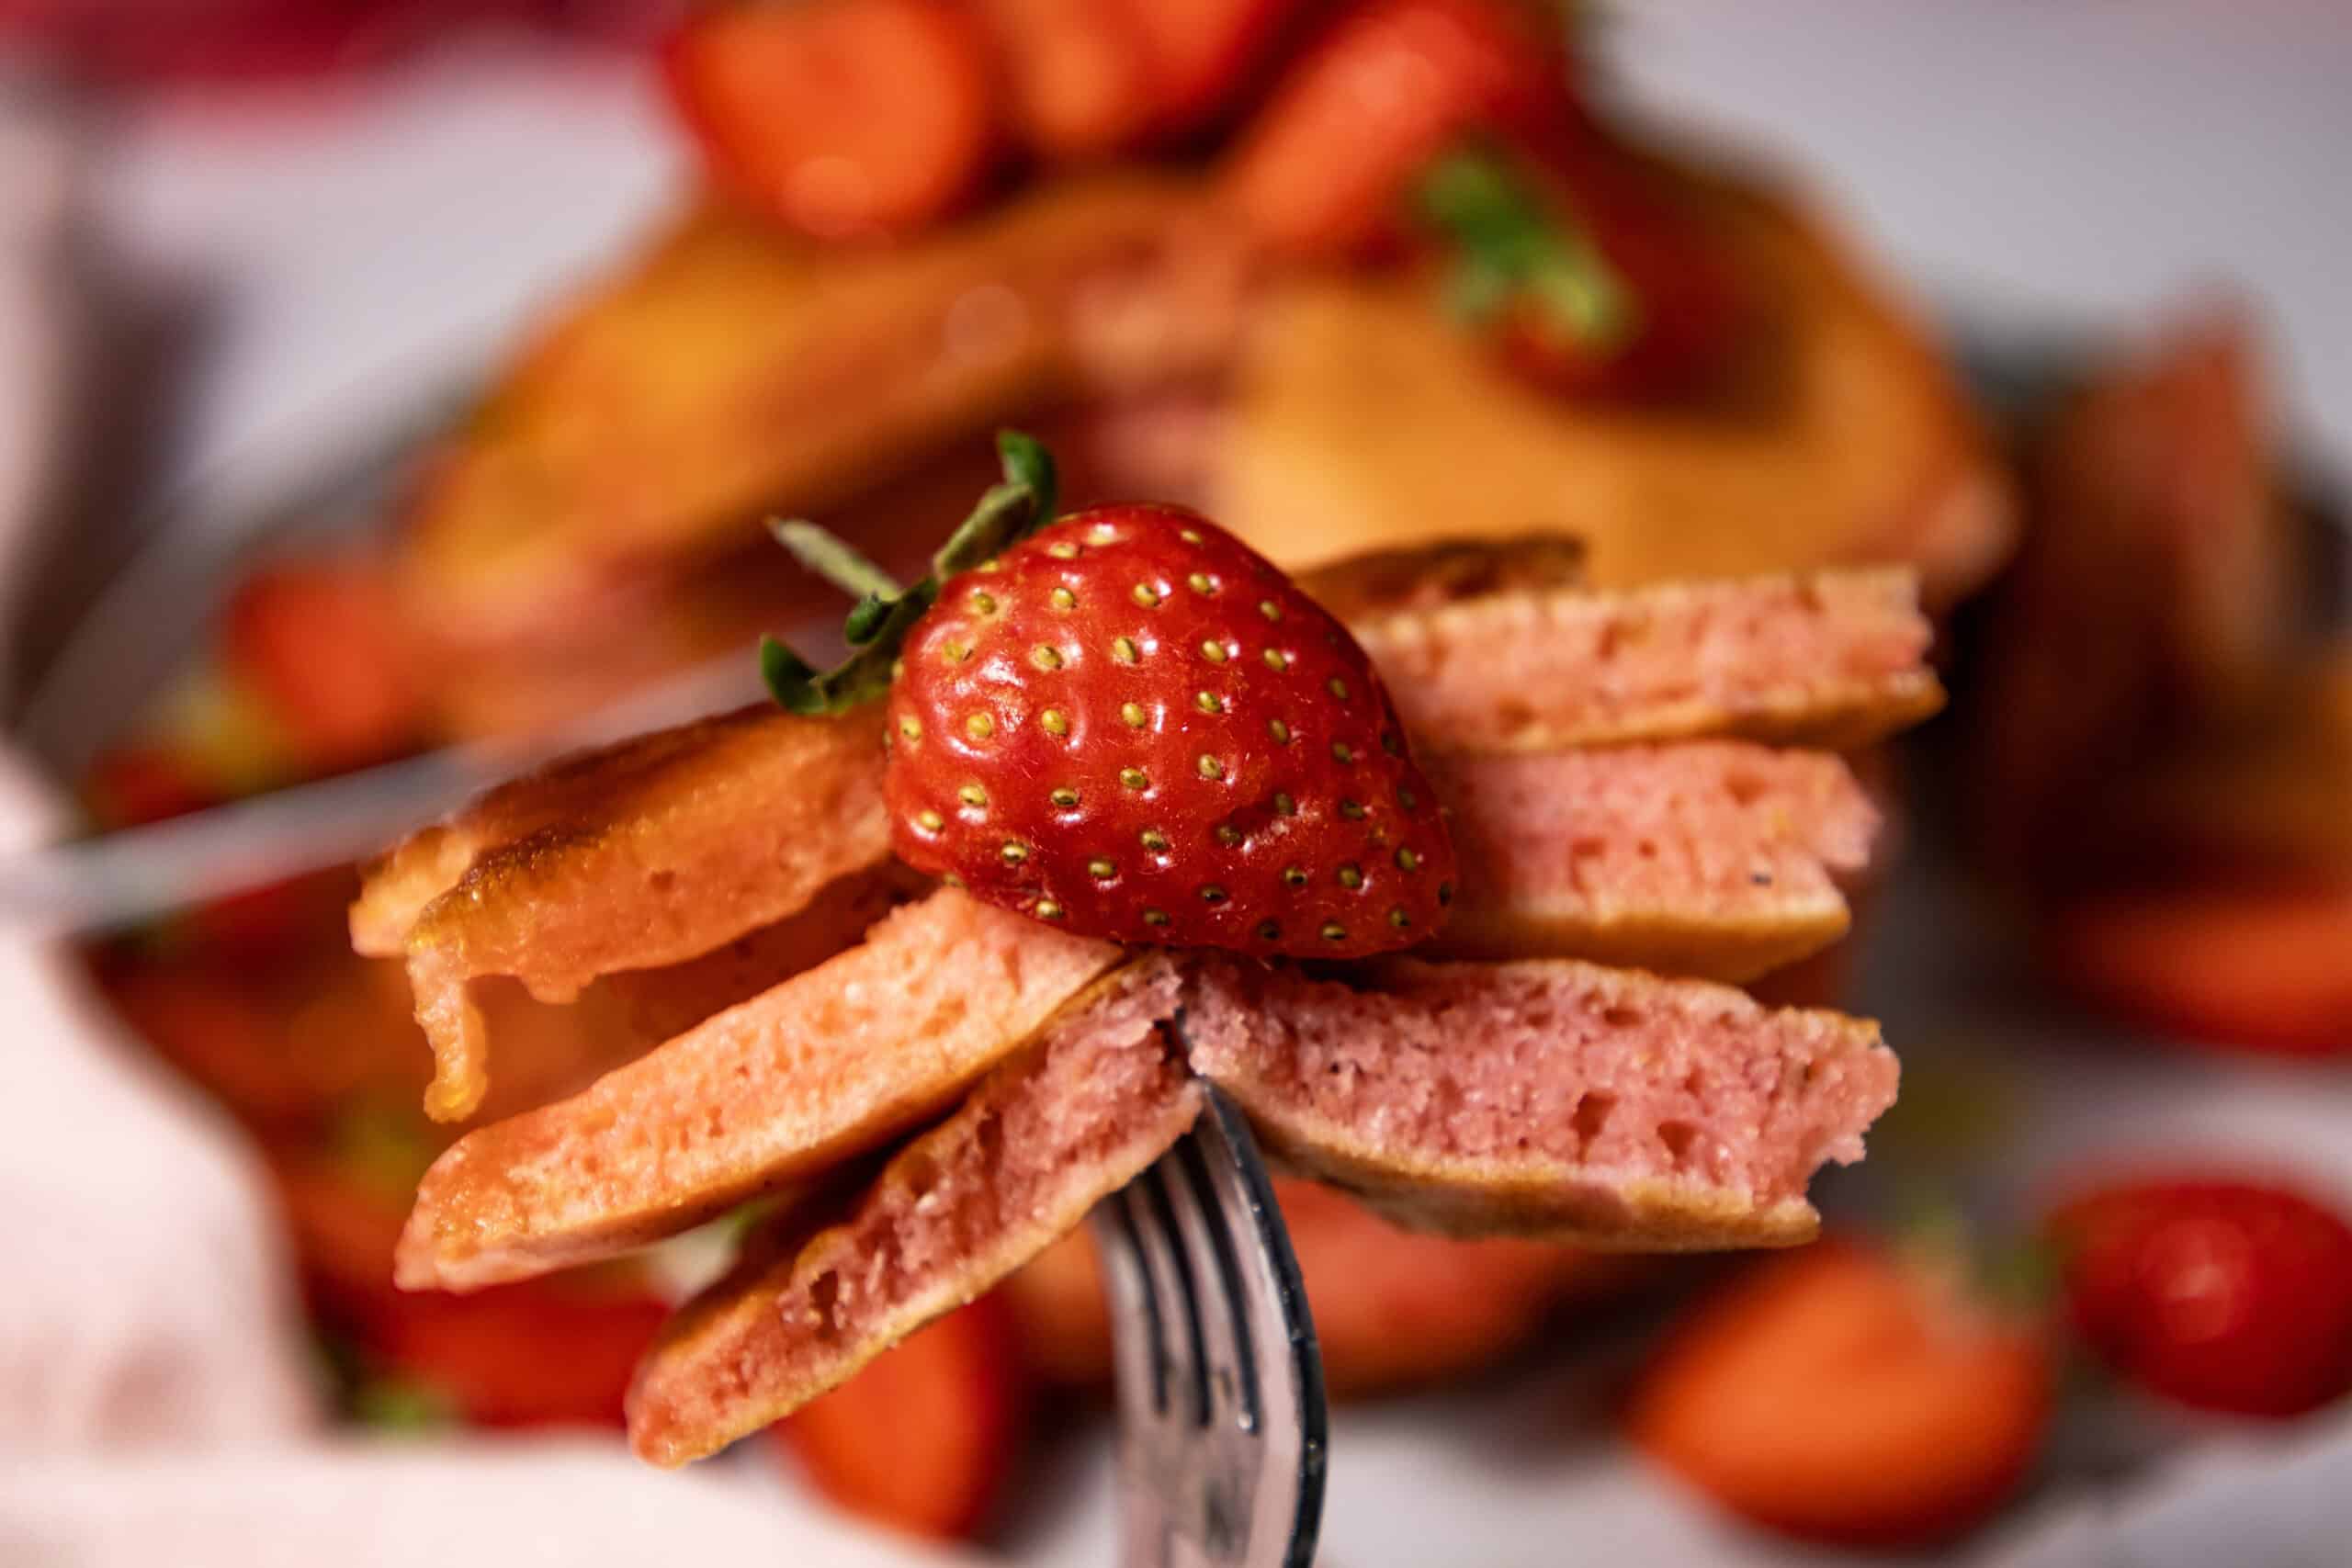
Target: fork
column 1222, row 1427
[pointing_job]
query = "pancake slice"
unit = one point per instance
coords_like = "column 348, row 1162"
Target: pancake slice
column 1648, row 854
column 769, row 1093
column 658, row 850
column 1712, row 858
column 1831, row 659
column 1100, row 1094
column 639, row 855
column 1546, row 1098
column 1428, row 577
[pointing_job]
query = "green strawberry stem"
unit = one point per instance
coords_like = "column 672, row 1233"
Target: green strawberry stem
column 878, row 627
column 1027, row 462
column 834, row 559
column 1511, row 247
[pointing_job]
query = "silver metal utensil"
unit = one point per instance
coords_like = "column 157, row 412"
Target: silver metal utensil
column 141, row 873
column 1223, row 1433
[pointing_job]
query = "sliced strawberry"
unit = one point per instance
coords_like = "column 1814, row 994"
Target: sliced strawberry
column 1134, row 726
column 1060, row 1318
column 924, row 1438
column 1686, row 302
column 320, row 642
column 212, row 1027
column 1839, row 1396
column 140, row 783
column 843, row 118
column 553, row 1352
column 2252, row 966
column 276, row 917
column 1081, row 81
column 2217, row 1292
column 1590, row 281
column 1204, row 54
column 1328, row 159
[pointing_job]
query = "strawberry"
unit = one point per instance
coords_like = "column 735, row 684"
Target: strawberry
column 1131, row 724
column 1838, row 1393
column 1588, row 279
column 320, row 644
column 1077, row 73
column 553, row 1352
column 843, row 118
column 2218, row 1293
column 2249, row 966
column 925, row 1438
column 1387, row 88
column 139, row 784
column 1204, row 52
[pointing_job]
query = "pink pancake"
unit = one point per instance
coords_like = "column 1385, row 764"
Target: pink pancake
column 771, row 1092
column 1714, row 858
column 1831, row 659
column 1100, row 1094
column 1545, row 1097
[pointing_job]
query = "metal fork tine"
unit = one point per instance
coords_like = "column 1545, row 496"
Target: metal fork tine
column 1183, row 1376
column 1293, row 1429
column 1139, row 1360
column 1222, row 1433
column 1228, row 1344
column 1138, row 1367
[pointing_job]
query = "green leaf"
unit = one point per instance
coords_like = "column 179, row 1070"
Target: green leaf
column 1512, row 246
column 791, row 680
column 866, row 619
column 1476, row 293
column 885, row 613
column 833, row 558
column 999, row 521
column 1027, row 462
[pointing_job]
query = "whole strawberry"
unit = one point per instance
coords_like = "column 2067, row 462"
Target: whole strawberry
column 1134, row 726
column 2216, row 1291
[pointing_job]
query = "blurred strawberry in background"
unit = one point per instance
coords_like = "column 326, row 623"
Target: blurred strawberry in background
column 129, row 42
column 842, row 119
column 359, row 706
column 2214, row 1291
column 1850, row 1394
column 926, row 1437
column 584, row 1336
column 2264, row 967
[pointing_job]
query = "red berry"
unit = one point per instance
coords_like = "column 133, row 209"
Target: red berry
column 1134, row 726
column 927, row 1437
column 843, row 119
column 1365, row 107
column 2221, row 1294
column 1840, row 1393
